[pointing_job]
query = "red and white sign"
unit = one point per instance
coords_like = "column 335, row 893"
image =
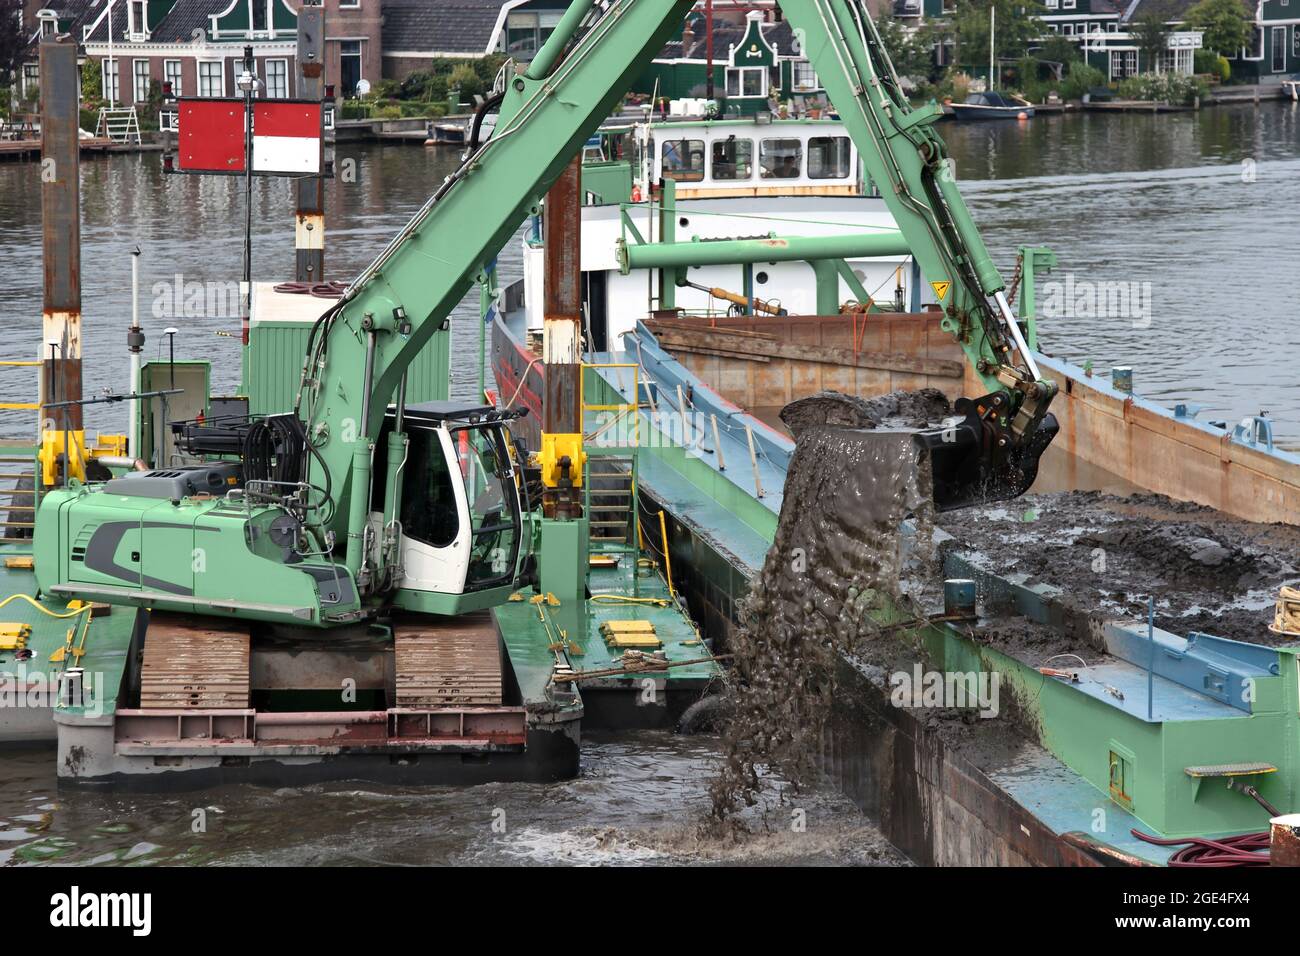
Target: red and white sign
column 287, row 137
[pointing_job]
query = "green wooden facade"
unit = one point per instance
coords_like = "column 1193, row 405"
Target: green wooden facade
column 749, row 74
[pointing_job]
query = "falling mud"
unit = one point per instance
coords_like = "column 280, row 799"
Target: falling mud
column 1208, row 571
column 834, row 563
column 899, row 409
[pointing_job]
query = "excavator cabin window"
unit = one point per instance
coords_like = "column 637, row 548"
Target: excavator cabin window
column 429, row 512
column 485, row 469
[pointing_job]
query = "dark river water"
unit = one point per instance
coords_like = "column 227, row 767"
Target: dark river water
column 1203, row 207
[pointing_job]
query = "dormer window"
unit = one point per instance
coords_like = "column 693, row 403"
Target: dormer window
column 137, row 19
column 48, row 23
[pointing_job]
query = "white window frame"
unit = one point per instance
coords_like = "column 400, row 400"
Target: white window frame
column 136, row 77
column 349, row 4
column 110, row 79
column 1248, row 53
column 1273, row 50
column 267, row 67
column 1129, row 58
column 31, row 77
column 740, row 71
column 137, row 31
column 796, row 66
column 221, row 75
column 1069, row 4
column 178, row 83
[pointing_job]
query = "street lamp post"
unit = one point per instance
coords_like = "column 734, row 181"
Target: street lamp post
column 247, row 82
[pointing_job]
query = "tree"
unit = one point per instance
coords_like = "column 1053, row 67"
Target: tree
column 1152, row 37
column 1058, row 53
column 909, row 50
column 1223, row 25
column 1017, row 26
column 13, row 39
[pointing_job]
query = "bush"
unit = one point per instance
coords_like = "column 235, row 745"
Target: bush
column 92, row 81
column 1209, row 63
column 387, row 111
column 1079, row 79
column 1163, row 88
column 466, row 79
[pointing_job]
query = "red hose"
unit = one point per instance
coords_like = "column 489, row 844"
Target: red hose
column 1246, row 849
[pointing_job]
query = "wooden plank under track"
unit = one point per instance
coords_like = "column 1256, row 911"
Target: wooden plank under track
column 194, row 663
column 448, row 662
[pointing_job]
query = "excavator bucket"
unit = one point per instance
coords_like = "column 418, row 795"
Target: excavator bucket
column 971, row 465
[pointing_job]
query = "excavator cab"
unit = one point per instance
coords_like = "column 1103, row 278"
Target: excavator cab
column 461, row 540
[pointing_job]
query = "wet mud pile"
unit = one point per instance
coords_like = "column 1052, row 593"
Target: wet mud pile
column 899, row 409
column 835, row 560
column 1208, row 571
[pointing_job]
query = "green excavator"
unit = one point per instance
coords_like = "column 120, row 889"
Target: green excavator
column 352, row 504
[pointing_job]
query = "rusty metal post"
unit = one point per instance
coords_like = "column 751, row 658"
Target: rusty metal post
column 61, row 236
column 562, row 312
column 309, row 222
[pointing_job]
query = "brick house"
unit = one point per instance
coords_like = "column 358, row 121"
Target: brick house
column 197, row 45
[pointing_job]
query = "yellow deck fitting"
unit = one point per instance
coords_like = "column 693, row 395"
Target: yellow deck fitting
column 630, row 634
column 547, row 598
column 13, row 637
column 20, row 563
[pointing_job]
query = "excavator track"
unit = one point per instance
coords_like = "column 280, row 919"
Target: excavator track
column 194, row 664
column 447, row 663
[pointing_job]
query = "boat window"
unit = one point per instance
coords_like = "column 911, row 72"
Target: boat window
column 829, row 157
column 780, row 158
column 733, row 158
column 683, row 160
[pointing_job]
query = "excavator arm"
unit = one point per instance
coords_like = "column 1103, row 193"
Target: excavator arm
column 400, row 304
column 993, row 452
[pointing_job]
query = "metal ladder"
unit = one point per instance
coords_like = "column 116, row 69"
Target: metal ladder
column 610, row 493
column 18, row 470
column 120, row 125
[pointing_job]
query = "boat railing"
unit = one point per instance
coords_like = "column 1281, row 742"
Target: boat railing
column 615, row 415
